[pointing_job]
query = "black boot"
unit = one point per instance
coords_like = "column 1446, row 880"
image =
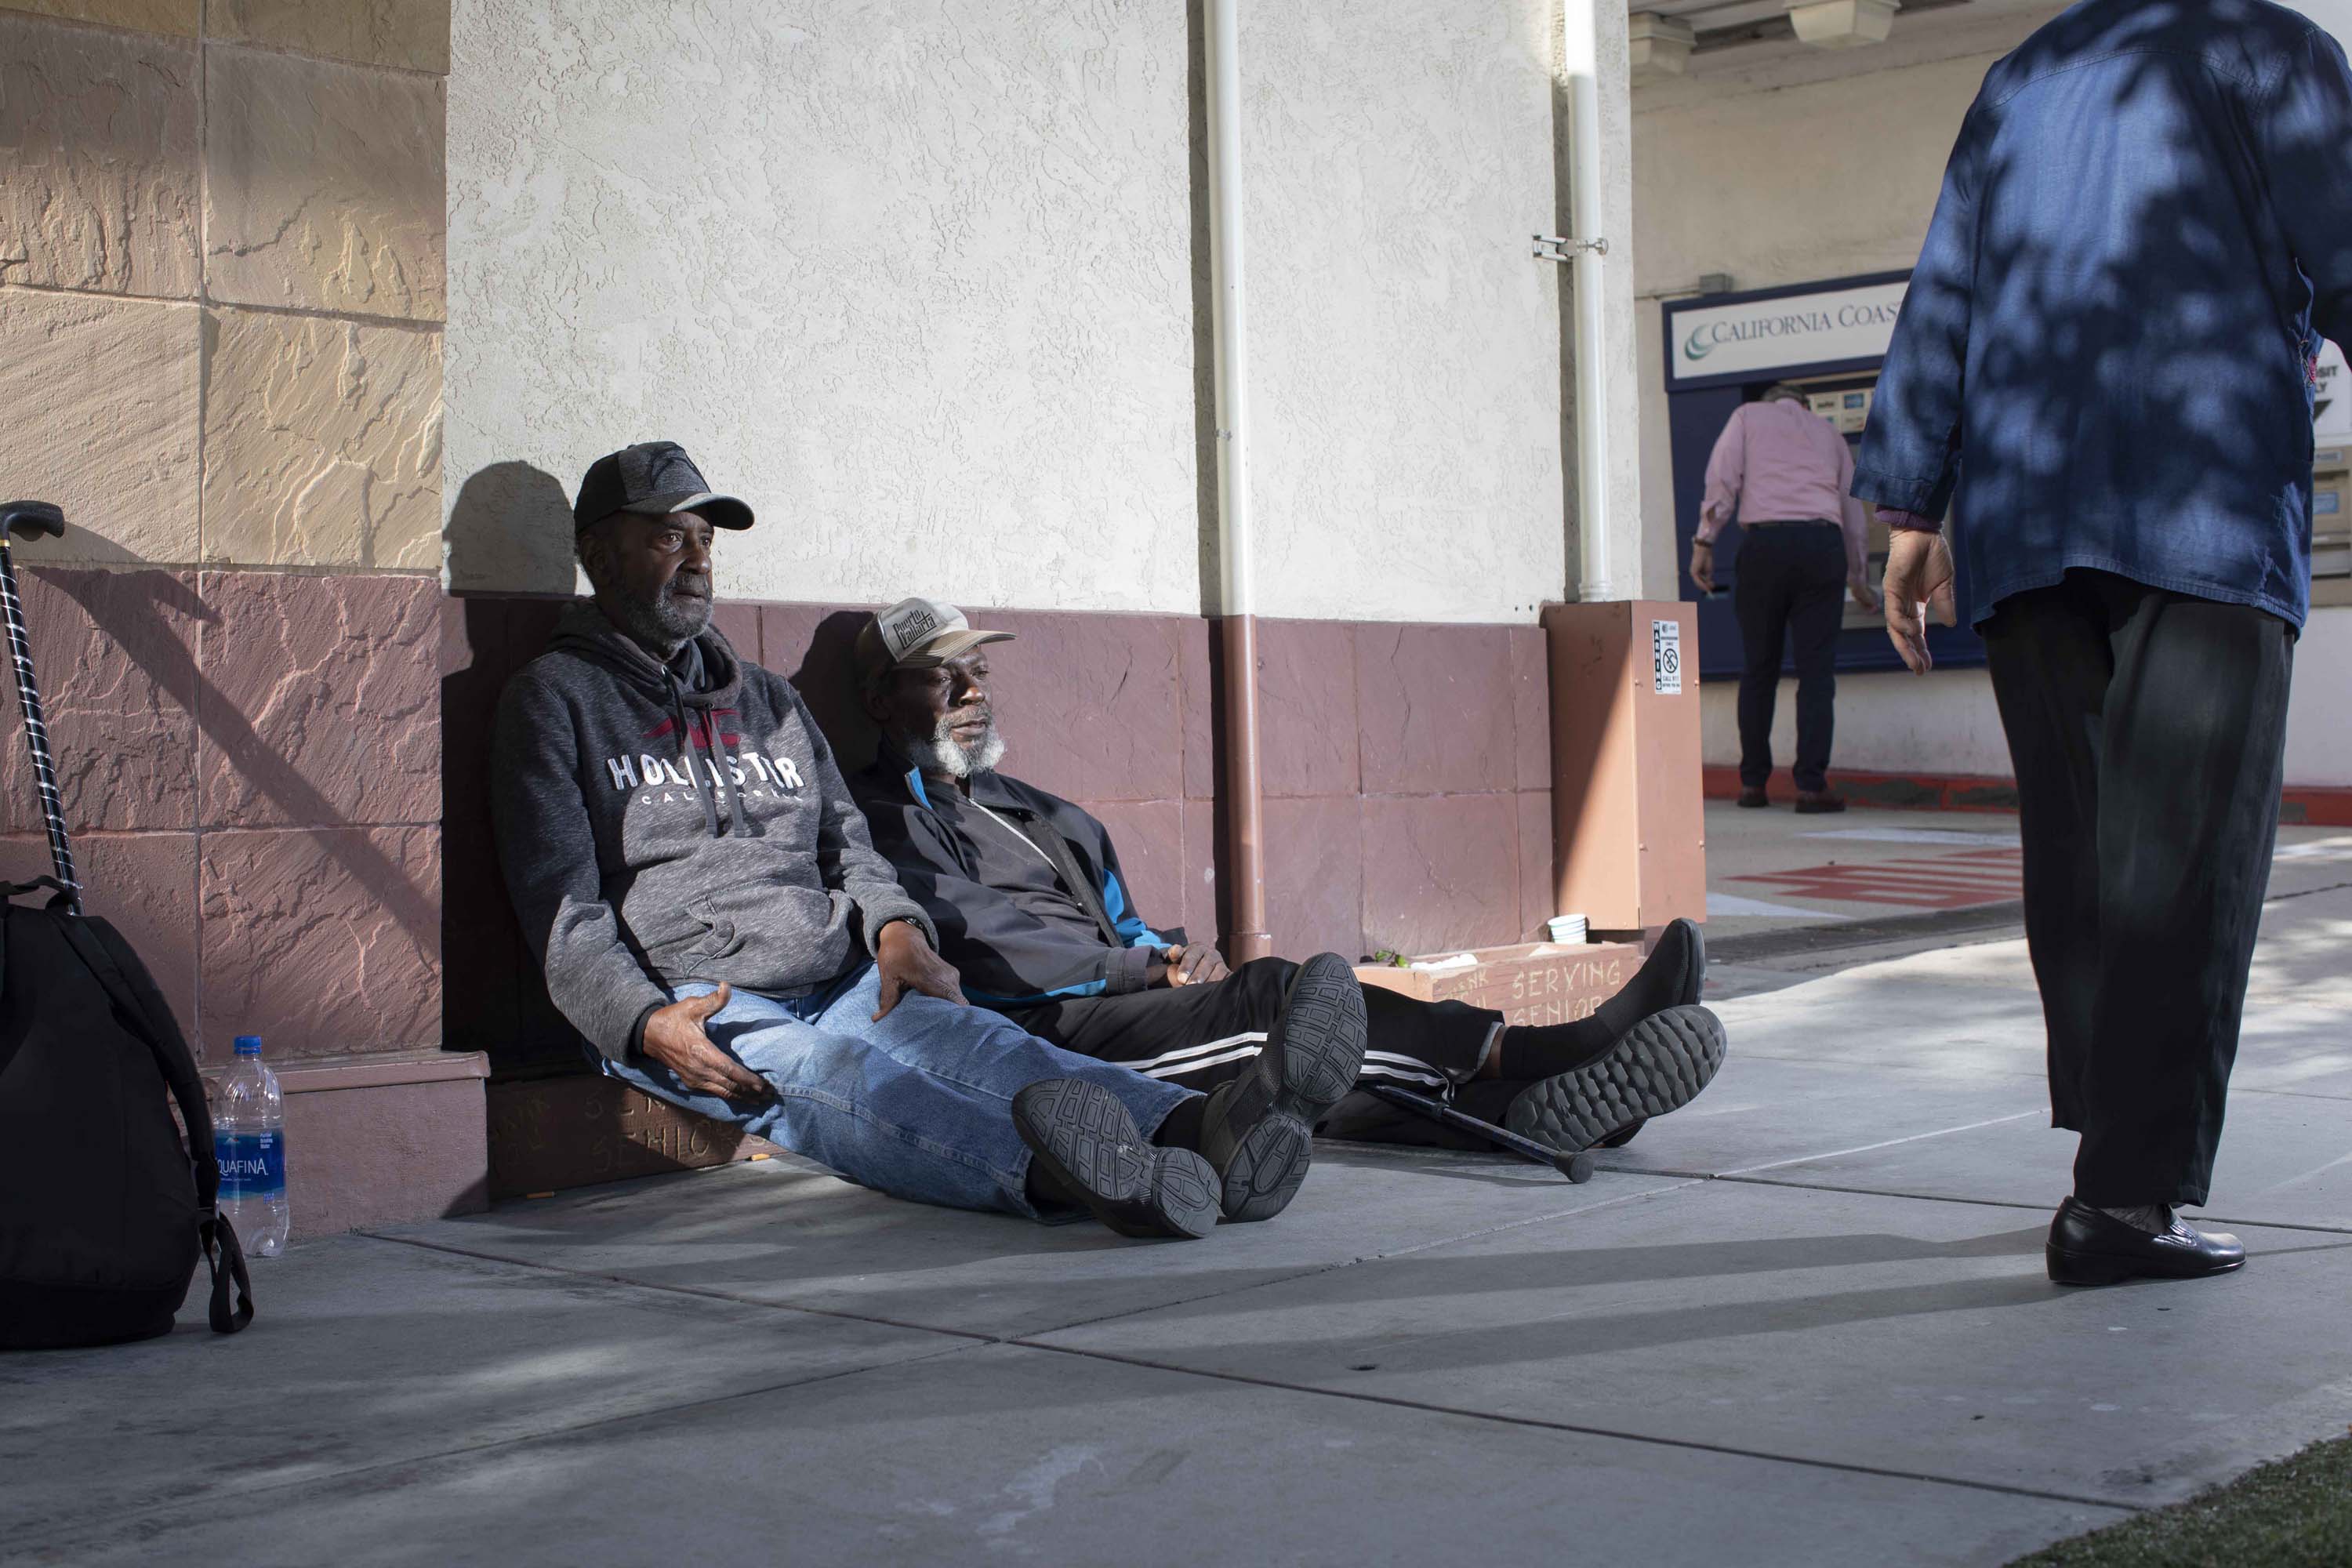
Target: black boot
column 1657, row 1066
column 1258, row 1130
column 1087, row 1153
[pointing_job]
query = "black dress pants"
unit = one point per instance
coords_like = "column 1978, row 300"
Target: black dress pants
column 1200, row 1036
column 2148, row 730
column 1790, row 584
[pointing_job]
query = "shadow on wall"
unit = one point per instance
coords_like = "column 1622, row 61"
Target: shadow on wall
column 138, row 626
column 499, row 511
column 826, row 678
column 493, row 999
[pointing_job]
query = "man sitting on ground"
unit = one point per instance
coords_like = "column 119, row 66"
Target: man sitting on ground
column 691, row 873
column 1026, row 892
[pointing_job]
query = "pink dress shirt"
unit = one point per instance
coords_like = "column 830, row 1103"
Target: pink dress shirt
column 1779, row 461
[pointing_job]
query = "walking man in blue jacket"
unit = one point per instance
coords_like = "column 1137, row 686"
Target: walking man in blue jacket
column 2103, row 374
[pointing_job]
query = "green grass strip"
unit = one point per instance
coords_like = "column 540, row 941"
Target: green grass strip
column 2296, row 1513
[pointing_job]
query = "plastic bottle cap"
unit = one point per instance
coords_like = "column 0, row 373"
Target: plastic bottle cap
column 248, row 1045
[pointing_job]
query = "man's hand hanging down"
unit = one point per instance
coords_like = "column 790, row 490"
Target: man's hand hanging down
column 1919, row 584
column 1196, row 965
column 675, row 1038
column 907, row 963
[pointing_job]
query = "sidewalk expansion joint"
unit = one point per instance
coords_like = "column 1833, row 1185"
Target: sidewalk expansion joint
column 1579, row 1429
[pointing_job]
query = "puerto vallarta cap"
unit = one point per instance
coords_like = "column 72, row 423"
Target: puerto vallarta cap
column 655, row 477
column 919, row 634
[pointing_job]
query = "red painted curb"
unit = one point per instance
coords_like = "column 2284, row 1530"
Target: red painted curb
column 2300, row 805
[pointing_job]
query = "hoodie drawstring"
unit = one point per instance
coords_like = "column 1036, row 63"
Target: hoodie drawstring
column 685, row 750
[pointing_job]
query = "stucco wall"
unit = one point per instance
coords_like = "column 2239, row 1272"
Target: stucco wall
column 921, row 282
column 1405, row 343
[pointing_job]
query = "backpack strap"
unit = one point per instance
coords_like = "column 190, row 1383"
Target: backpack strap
column 102, row 950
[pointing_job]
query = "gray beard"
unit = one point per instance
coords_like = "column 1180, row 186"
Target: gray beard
column 666, row 624
column 943, row 754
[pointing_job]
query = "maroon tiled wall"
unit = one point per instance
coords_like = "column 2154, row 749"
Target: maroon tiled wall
column 1407, row 769
column 250, row 762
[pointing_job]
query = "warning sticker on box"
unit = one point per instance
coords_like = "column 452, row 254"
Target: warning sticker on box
column 1666, row 658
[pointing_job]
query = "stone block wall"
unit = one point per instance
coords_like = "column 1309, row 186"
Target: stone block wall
column 222, row 284
column 1407, row 775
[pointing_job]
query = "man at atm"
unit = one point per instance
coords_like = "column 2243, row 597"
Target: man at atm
column 1783, row 471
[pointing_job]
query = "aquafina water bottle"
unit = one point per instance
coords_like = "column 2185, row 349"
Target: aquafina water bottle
column 249, row 1137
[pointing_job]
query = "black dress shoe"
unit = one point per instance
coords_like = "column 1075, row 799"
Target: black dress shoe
column 2089, row 1247
column 1818, row 802
column 1754, row 798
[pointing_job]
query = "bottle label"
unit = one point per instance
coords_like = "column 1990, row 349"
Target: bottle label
column 252, row 1164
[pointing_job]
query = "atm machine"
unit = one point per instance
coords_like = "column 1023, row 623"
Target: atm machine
column 1724, row 350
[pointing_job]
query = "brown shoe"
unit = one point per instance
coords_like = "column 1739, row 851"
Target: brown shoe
column 1752, row 798
column 1816, row 801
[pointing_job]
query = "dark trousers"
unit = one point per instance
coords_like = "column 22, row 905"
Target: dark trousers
column 1200, row 1036
column 2148, row 730
column 1790, row 584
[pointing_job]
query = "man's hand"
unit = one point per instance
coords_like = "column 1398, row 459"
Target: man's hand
column 1864, row 596
column 1198, row 965
column 1702, row 567
column 675, row 1038
column 1919, row 583
column 906, row 962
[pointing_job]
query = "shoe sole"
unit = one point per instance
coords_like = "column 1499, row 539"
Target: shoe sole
column 2103, row 1268
column 1087, row 1140
column 1686, row 995
column 1689, row 994
column 1319, row 1043
column 1659, row 1066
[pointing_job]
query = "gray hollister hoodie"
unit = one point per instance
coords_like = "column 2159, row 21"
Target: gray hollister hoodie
column 652, row 834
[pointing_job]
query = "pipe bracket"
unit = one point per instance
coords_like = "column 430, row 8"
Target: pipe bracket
column 1562, row 249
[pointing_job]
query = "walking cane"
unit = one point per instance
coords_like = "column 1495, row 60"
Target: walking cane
column 1577, row 1167
column 33, row 519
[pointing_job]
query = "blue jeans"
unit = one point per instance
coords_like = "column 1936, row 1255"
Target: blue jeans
column 919, row 1105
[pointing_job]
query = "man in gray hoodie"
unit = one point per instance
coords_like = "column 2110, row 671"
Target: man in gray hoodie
column 696, row 881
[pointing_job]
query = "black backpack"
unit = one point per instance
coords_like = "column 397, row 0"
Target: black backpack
column 104, row 1210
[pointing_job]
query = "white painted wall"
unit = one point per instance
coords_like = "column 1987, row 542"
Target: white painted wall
column 1786, row 172
column 1404, row 341
column 914, row 280
column 917, row 280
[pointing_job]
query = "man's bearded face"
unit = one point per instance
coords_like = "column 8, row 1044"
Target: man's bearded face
column 652, row 574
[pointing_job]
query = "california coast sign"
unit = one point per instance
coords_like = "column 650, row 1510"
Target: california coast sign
column 1759, row 337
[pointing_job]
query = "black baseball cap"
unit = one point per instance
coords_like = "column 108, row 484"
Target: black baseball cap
column 655, row 477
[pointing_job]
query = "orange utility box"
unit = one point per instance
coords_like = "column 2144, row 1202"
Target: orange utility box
column 1629, row 832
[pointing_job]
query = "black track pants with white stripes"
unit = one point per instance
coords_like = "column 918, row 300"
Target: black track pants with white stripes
column 1200, row 1036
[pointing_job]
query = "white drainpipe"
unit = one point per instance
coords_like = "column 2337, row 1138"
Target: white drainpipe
column 1581, row 63
column 1244, row 795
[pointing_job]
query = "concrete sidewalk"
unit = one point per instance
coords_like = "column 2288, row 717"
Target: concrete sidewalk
column 1803, row 1321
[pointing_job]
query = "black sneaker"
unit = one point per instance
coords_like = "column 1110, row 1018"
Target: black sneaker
column 1658, row 1064
column 1258, row 1130
column 1092, row 1151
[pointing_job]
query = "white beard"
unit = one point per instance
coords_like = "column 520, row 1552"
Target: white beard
column 959, row 759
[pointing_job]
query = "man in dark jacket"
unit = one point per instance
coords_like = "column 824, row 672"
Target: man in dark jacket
column 2107, row 352
column 694, row 878
column 1026, row 893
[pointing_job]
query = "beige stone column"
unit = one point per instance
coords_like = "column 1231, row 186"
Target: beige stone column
column 222, row 284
